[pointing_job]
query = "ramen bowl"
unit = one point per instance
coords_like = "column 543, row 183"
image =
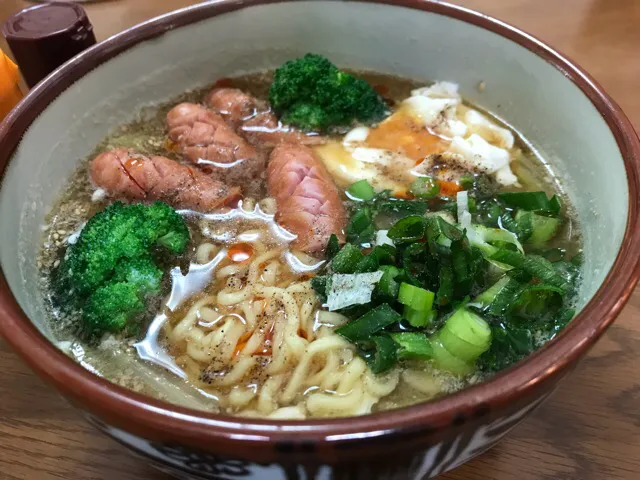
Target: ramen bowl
column 566, row 115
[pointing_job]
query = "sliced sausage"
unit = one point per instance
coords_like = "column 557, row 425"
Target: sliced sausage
column 234, row 105
column 254, row 119
column 129, row 175
column 206, row 140
column 309, row 203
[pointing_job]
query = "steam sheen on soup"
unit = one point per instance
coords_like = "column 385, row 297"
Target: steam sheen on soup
column 309, row 243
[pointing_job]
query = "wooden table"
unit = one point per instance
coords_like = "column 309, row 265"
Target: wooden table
column 589, row 430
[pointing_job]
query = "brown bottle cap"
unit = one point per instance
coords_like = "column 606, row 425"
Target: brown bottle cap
column 43, row 37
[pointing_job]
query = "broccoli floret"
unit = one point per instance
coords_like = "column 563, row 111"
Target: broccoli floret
column 110, row 270
column 313, row 94
column 307, row 116
column 140, row 272
column 111, row 308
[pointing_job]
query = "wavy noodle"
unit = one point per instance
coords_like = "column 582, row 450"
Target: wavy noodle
column 257, row 338
column 205, row 252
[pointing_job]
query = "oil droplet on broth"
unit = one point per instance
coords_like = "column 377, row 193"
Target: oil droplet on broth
column 240, row 252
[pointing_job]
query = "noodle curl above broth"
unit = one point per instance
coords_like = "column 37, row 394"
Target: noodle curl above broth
column 258, row 341
column 309, row 242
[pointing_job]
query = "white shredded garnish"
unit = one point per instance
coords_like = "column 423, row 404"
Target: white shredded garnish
column 382, row 238
column 464, row 217
column 98, row 195
column 73, row 238
column 351, row 289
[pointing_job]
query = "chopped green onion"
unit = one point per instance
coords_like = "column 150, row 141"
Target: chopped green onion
column 387, row 285
column 534, row 300
column 361, row 220
column 563, row 318
column 414, row 262
column 543, row 287
column 361, row 229
column 542, row 269
column 467, row 181
column 425, row 251
column 469, row 326
column 384, row 355
column 363, row 328
column 520, row 339
column 505, row 297
column 569, row 271
column 473, row 205
column 361, row 190
column 460, row 348
column 508, row 257
column 452, row 232
column 554, row 205
column 434, row 238
column 415, row 297
column 465, row 335
column 413, row 345
column 445, row 290
column 444, row 360
column 419, row 318
column 402, row 207
column 542, row 228
column 523, row 224
column 491, row 211
column 532, row 201
column 489, row 295
column 425, row 187
column 407, row 230
column 319, row 285
column 460, row 265
column 333, row 246
column 504, row 220
column 366, row 264
column 384, row 254
column 479, row 236
column 520, row 275
column 346, row 260
column 475, row 263
column 493, row 235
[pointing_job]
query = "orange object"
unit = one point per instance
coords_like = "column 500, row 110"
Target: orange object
column 400, row 133
column 10, row 93
column 449, row 189
column 240, row 252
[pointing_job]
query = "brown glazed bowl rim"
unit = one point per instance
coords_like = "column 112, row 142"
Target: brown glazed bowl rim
column 161, row 420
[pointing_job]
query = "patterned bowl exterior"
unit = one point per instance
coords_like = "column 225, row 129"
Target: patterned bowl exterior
column 440, row 450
